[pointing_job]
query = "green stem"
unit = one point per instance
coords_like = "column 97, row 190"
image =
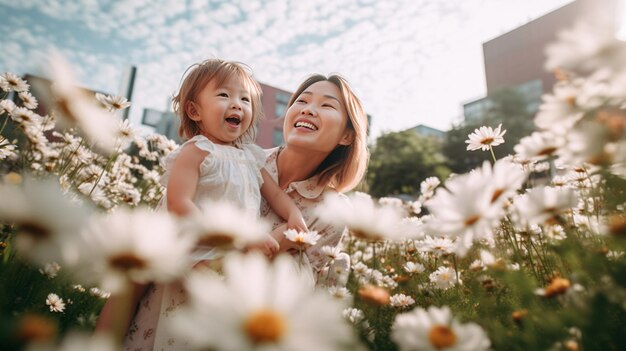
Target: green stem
column 492, row 154
column 6, row 119
column 456, row 271
column 106, row 167
column 532, row 264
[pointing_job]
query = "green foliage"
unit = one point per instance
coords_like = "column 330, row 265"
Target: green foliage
column 24, row 291
column 400, row 161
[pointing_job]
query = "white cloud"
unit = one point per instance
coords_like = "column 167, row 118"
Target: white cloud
column 411, row 61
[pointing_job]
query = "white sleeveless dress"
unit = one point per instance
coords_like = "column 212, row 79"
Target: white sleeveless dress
column 226, row 173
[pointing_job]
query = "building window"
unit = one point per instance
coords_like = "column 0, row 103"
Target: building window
column 282, row 100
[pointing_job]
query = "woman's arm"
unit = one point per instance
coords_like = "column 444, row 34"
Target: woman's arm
column 183, row 181
column 281, row 203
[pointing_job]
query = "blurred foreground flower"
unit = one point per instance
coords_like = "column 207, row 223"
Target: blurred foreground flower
column 362, row 216
column 133, row 246
column 77, row 109
column 260, row 306
column 75, row 341
column 224, row 226
column 465, row 209
column 435, row 329
column 46, row 221
column 544, row 204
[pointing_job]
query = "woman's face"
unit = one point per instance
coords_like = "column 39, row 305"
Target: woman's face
column 317, row 119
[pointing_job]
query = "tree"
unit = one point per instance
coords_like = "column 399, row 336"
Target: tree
column 510, row 108
column 400, row 161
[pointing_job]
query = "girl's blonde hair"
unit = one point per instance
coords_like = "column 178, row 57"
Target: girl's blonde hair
column 197, row 76
column 345, row 166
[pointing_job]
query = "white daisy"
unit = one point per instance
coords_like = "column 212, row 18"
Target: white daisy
column 416, row 207
column 410, row 228
column 6, row 106
column 302, row 239
column 435, row 329
column 390, row 201
column 413, row 268
column 340, row 293
column 12, row 82
column 539, row 146
column 437, row 245
column 560, row 110
column 113, row 102
column 353, row 315
column 429, row 185
column 99, row 293
column 360, row 214
column 125, row 133
column 445, row 278
column 589, row 142
column 401, row 300
column 505, row 178
column 55, row 303
column 543, row 204
column 25, row 117
column 139, row 246
column 260, row 306
column 7, row 150
column 464, row 209
column 50, row 270
column 485, row 138
column 28, row 100
column 338, row 271
column 330, row 252
column 588, row 46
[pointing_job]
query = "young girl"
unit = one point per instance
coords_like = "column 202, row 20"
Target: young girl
column 218, row 104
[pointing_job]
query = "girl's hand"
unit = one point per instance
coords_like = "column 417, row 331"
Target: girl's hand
column 269, row 247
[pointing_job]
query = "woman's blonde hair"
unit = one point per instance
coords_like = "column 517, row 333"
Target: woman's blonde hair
column 345, row 166
column 197, row 76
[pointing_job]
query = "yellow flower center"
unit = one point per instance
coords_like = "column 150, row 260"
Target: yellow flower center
column 487, row 141
column 617, row 225
column 557, row 286
column 264, row 326
column 441, row 336
column 496, row 195
column 547, row 151
column 35, row 230
column 216, row 240
column 471, row 220
column 127, row 261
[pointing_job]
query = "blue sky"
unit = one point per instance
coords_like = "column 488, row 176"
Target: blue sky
column 410, row 61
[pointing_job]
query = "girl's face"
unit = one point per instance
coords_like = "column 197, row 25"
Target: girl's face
column 317, row 119
column 223, row 112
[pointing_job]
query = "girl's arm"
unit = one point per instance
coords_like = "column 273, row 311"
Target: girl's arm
column 183, row 181
column 105, row 321
column 281, row 203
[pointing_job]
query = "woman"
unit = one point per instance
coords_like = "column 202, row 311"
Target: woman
column 325, row 150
